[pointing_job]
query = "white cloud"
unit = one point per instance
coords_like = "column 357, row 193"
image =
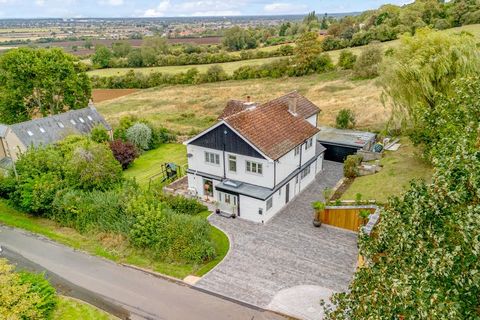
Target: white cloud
column 285, row 8
column 40, row 3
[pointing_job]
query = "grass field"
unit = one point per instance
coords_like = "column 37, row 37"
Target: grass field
column 73, row 309
column 150, row 162
column 99, row 95
column 190, row 109
column 399, row 168
column 229, row 67
column 110, row 246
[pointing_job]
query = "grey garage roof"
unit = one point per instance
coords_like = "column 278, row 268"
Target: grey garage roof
column 353, row 138
column 54, row 128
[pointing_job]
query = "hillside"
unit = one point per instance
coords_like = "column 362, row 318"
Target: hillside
column 189, row 109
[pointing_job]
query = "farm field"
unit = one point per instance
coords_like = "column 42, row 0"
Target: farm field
column 399, row 168
column 229, row 67
column 99, row 95
column 189, row 109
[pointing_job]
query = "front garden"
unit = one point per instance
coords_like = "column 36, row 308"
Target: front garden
column 75, row 192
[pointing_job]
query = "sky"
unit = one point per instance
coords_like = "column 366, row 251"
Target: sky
column 176, row 8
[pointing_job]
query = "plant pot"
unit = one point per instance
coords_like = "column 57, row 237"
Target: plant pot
column 317, row 223
column 233, row 216
column 217, row 211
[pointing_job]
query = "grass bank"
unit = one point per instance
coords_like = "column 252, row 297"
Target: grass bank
column 110, row 246
column 72, row 309
column 399, row 168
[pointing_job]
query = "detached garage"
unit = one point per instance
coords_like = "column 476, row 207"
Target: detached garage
column 341, row 143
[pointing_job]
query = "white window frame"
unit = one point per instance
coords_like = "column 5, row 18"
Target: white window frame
column 309, row 144
column 297, row 150
column 305, row 172
column 232, row 159
column 269, row 203
column 254, row 167
column 212, row 158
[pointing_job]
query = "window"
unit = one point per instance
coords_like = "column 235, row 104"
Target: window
column 232, row 163
column 219, row 196
column 90, row 118
column 212, row 158
column 60, row 125
column 309, row 144
column 305, row 172
column 42, row 130
column 81, row 120
column 269, row 203
column 73, row 122
column 227, row 198
column 297, row 150
column 260, row 211
column 254, row 167
column 279, row 192
column 30, row 133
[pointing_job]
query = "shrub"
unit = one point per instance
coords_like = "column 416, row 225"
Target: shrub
column 171, row 236
column 350, row 166
column 92, row 166
column 40, row 286
column 36, row 194
column 140, row 135
column 124, row 152
column 183, row 205
column 368, row 62
column 99, row 134
column 7, row 184
column 346, row 60
column 345, row 119
column 125, row 122
column 17, row 300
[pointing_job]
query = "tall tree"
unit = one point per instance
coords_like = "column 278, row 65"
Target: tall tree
column 102, row 56
column 308, row 49
column 40, row 82
column 424, row 66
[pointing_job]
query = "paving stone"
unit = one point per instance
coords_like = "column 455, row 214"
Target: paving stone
column 286, row 252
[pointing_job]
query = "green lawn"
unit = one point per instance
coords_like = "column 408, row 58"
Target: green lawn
column 72, row 309
column 229, row 67
column 109, row 246
column 399, row 168
column 150, row 163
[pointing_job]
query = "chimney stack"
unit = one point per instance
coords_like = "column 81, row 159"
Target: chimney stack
column 292, row 103
column 249, row 99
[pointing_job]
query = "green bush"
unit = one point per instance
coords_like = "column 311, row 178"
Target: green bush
column 40, row 286
column 350, row 166
column 93, row 166
column 345, row 119
column 35, row 195
column 346, row 60
column 172, row 236
column 99, row 134
column 92, row 211
column 7, row 184
column 368, row 63
column 140, row 135
column 183, row 205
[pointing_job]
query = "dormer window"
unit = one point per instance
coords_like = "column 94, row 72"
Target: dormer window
column 73, row 122
column 42, row 130
column 89, row 118
column 30, row 133
column 81, row 120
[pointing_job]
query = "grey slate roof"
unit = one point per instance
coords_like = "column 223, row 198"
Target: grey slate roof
column 344, row 137
column 3, row 130
column 54, row 128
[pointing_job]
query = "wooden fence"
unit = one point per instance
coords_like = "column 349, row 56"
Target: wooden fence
column 344, row 217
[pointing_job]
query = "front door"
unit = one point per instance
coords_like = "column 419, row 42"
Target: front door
column 287, row 193
column 228, row 203
column 208, row 188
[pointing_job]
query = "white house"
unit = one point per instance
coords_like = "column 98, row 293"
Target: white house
column 258, row 157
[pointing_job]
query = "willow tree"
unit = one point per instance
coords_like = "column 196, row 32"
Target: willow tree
column 40, row 82
column 422, row 67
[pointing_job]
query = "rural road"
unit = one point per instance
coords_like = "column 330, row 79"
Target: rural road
column 116, row 288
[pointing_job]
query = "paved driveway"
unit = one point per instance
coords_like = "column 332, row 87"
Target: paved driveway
column 267, row 263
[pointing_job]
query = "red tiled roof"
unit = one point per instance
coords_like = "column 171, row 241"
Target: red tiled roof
column 233, row 106
column 272, row 128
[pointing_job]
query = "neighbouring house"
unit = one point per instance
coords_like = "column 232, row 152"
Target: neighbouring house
column 340, row 143
column 258, row 157
column 17, row 138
